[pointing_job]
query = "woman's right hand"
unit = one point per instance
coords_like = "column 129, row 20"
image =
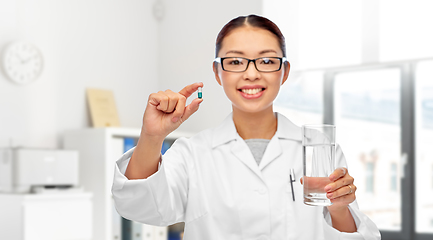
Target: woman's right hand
column 166, row 111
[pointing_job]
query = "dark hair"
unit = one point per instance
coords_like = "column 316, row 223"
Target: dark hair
column 253, row 21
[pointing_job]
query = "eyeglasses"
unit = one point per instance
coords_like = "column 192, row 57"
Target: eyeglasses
column 239, row 64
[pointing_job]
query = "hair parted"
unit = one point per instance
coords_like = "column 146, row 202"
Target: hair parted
column 253, row 21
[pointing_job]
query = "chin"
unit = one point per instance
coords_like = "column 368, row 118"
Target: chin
column 252, row 110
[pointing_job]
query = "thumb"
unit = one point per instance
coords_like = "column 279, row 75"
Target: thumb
column 191, row 108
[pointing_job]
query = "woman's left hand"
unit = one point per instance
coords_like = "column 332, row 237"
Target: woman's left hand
column 341, row 190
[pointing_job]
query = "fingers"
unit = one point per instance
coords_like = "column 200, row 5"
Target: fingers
column 338, row 173
column 343, row 200
column 342, row 192
column 190, row 89
column 340, row 182
column 167, row 101
column 191, row 108
column 174, row 103
column 180, row 109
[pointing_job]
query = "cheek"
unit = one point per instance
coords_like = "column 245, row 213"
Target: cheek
column 227, row 80
column 276, row 83
column 279, row 76
column 277, row 79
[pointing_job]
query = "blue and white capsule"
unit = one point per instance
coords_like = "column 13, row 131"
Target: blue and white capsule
column 200, row 92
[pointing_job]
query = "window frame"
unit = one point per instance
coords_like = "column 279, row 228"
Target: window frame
column 408, row 138
column 394, row 177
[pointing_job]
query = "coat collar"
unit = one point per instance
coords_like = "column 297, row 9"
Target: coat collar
column 287, row 129
column 226, row 132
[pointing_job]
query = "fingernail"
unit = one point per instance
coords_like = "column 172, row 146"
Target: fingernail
column 344, row 171
column 327, row 188
column 175, row 119
column 329, row 195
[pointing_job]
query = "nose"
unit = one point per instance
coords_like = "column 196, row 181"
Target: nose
column 251, row 73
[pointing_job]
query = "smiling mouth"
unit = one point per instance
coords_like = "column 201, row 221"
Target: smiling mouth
column 251, row 91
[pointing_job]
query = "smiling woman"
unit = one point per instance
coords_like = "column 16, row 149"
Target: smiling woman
column 250, row 44
column 233, row 181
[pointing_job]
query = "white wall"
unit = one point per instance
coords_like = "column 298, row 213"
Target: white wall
column 110, row 45
column 100, row 44
column 187, row 37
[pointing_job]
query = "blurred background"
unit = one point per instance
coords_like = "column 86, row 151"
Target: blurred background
column 364, row 65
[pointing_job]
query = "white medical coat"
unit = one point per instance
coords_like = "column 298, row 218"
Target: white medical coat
column 213, row 184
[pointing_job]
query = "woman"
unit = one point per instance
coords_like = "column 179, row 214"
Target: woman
column 232, row 182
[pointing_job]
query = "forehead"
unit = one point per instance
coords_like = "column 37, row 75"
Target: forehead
column 250, row 41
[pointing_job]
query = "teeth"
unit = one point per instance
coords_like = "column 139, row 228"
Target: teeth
column 252, row 91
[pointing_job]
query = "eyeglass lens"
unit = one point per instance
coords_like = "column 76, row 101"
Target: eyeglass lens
column 267, row 64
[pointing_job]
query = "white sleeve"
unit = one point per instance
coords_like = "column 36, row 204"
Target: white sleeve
column 159, row 199
column 366, row 229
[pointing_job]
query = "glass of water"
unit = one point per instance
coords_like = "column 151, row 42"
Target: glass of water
column 318, row 143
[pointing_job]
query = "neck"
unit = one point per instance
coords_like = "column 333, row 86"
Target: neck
column 261, row 125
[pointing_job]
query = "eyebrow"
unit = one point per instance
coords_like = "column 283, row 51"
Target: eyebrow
column 234, row 51
column 267, row 51
column 261, row 52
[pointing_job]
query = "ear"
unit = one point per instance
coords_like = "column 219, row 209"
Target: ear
column 286, row 71
column 215, row 70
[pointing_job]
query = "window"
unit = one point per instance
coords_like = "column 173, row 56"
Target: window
column 367, row 93
column 367, row 116
column 378, row 138
column 301, row 98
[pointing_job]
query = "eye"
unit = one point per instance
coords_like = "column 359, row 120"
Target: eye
column 235, row 61
column 267, row 61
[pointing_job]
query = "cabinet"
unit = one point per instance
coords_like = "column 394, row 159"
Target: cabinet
column 60, row 216
column 99, row 148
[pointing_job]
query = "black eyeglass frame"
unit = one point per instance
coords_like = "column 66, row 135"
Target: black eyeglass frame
column 220, row 60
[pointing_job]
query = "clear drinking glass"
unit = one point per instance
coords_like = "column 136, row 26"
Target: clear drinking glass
column 318, row 142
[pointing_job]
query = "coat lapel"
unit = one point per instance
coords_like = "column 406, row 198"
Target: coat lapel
column 273, row 151
column 226, row 134
column 285, row 130
column 241, row 150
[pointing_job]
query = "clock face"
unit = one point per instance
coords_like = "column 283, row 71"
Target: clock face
column 22, row 62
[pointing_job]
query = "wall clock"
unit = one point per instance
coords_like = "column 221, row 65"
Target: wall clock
column 22, row 62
